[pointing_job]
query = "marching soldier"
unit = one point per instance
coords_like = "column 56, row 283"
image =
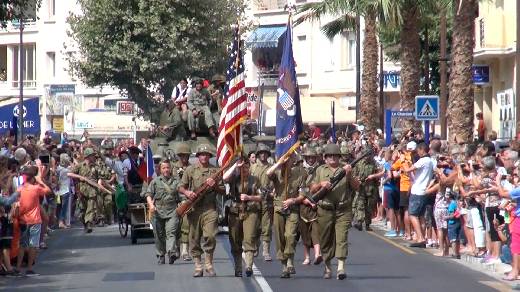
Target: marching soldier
column 243, row 215
column 366, row 170
column 308, row 226
column 259, row 172
column 288, row 182
column 335, row 210
column 198, row 105
column 162, row 197
column 104, row 200
column 203, row 218
column 87, row 202
column 183, row 154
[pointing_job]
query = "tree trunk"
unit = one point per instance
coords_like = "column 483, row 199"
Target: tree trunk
column 410, row 61
column 368, row 105
column 460, row 102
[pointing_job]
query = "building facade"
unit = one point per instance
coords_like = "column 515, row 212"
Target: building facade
column 46, row 75
column 494, row 73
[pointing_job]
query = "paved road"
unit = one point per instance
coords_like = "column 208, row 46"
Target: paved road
column 102, row 261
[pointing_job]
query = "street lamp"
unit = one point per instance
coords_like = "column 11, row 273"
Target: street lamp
column 20, row 82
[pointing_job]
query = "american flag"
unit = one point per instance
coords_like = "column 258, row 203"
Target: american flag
column 234, row 105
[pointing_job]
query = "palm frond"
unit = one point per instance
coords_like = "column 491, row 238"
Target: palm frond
column 338, row 25
column 317, row 10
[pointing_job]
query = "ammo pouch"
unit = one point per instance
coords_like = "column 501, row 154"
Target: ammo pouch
column 326, row 205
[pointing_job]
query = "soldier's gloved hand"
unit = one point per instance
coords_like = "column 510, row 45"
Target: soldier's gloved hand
column 326, row 185
column 210, row 182
column 347, row 168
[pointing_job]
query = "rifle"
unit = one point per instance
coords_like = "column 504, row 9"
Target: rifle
column 335, row 179
column 187, row 205
column 90, row 182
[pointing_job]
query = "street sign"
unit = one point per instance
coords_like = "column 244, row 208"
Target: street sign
column 125, row 108
column 403, row 114
column 427, row 107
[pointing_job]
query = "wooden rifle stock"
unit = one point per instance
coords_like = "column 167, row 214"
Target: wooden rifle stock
column 186, row 206
column 335, row 179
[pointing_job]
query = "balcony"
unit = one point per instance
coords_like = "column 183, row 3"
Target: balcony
column 263, row 5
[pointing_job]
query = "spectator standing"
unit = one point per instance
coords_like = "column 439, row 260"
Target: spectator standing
column 481, row 127
column 64, row 190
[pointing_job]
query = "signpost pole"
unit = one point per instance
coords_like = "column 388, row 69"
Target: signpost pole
column 427, row 132
column 388, row 127
column 20, row 83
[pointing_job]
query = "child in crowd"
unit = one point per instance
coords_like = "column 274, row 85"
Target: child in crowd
column 454, row 226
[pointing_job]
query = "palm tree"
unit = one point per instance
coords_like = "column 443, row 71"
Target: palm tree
column 345, row 11
column 460, row 102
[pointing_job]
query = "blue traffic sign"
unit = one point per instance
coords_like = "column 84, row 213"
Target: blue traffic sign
column 427, row 107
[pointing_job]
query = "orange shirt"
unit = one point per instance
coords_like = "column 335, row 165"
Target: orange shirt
column 404, row 182
column 30, row 203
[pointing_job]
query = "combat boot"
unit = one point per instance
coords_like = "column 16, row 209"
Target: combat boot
column 368, row 228
column 198, row 267
column 184, row 252
column 238, row 265
column 290, row 265
column 358, row 226
column 265, row 251
column 210, row 271
column 249, row 263
column 328, row 271
column 285, row 272
column 341, row 275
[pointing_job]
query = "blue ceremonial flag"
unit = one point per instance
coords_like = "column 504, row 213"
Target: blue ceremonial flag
column 333, row 121
column 289, row 124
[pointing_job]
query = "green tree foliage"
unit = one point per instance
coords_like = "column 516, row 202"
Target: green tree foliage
column 16, row 9
column 143, row 47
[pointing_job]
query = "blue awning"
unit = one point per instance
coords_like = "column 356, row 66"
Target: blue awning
column 265, row 36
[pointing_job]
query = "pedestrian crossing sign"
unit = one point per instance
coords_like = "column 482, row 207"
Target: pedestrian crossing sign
column 427, row 107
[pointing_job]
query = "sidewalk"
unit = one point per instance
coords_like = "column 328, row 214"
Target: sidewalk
column 495, row 271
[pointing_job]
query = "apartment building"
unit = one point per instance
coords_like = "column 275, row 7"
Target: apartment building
column 494, row 70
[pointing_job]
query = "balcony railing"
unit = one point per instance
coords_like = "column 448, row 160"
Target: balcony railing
column 268, row 4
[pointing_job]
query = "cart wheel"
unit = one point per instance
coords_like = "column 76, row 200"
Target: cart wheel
column 123, row 225
column 133, row 236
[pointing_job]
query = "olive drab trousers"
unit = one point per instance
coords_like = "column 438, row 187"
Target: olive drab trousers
column 243, row 233
column 165, row 234
column 285, row 229
column 203, row 231
column 334, row 225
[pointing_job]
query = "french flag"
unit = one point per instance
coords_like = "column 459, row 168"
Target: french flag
column 147, row 169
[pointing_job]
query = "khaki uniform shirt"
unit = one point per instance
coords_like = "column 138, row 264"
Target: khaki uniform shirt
column 339, row 195
column 195, row 176
column 296, row 178
column 90, row 172
column 198, row 99
column 164, row 193
column 258, row 171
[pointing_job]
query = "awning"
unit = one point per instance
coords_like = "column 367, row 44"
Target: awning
column 265, row 36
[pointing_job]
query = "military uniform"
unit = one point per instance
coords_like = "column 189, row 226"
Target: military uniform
column 288, row 182
column 172, row 119
column 163, row 191
column 264, row 184
column 178, row 170
column 203, row 217
column 87, row 202
column 243, row 222
column 308, row 225
column 334, row 215
column 199, row 100
column 104, row 200
column 217, row 95
column 366, row 196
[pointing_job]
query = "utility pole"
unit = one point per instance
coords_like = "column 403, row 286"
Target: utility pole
column 358, row 64
column 382, row 105
column 20, row 83
column 444, row 72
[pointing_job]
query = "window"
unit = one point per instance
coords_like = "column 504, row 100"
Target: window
column 348, row 50
column 481, row 29
column 51, row 5
column 29, row 72
column 330, row 56
column 51, row 63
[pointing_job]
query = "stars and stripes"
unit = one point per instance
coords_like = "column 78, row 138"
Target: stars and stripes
column 286, row 100
column 234, row 105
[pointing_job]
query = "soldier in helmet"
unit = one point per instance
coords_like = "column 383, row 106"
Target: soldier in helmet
column 106, row 177
column 288, row 182
column 87, row 202
column 183, row 153
column 265, row 187
column 346, row 155
column 216, row 90
column 203, row 219
column 198, row 105
column 334, row 210
column 308, row 225
column 171, row 122
column 364, row 203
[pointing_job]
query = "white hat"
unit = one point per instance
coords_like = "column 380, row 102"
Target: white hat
column 20, row 154
column 411, row 146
